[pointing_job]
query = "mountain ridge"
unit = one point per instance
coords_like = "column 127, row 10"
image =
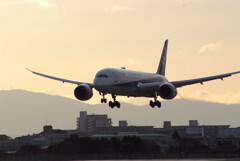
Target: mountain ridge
column 24, row 112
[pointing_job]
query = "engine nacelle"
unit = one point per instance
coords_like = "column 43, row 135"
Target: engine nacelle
column 167, row 91
column 83, row 92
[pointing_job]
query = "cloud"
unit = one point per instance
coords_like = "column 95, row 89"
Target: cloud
column 204, row 95
column 182, row 51
column 42, row 3
column 49, row 91
column 1, row 47
column 22, row 46
column 209, row 47
column 131, row 61
column 118, row 8
column 235, row 98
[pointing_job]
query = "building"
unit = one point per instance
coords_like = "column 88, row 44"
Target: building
column 53, row 135
column 4, row 137
column 82, row 122
column 123, row 123
column 229, row 133
column 87, row 124
column 125, row 130
column 193, row 130
column 43, row 139
column 167, row 124
column 193, row 122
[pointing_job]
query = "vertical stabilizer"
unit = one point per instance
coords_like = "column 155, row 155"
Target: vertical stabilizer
column 162, row 63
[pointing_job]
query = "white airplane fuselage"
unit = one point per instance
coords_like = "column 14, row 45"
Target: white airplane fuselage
column 124, row 82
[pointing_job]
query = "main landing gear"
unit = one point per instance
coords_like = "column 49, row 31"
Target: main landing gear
column 156, row 102
column 114, row 103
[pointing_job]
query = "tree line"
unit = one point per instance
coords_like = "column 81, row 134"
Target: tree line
column 128, row 145
column 86, row 145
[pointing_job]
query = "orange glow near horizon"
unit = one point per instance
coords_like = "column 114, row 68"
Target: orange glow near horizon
column 74, row 39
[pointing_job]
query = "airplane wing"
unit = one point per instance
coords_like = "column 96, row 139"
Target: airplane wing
column 201, row 80
column 60, row 79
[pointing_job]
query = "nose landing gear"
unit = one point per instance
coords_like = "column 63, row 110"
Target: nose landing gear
column 103, row 100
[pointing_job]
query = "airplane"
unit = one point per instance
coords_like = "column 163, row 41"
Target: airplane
column 123, row 82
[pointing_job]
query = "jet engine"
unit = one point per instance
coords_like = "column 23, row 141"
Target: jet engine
column 167, row 91
column 83, row 92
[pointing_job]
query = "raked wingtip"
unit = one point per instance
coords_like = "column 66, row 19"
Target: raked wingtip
column 28, row 69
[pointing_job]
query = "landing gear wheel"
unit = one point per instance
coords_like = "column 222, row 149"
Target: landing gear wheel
column 152, row 104
column 158, row 104
column 111, row 104
column 117, row 104
column 103, row 100
column 114, row 103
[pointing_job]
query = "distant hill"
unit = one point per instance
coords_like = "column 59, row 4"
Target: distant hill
column 23, row 112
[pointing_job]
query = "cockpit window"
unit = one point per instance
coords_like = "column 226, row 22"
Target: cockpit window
column 102, row 76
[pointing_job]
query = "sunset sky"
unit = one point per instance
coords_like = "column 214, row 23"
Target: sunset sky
column 74, row 38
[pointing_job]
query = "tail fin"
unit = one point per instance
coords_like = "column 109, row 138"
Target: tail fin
column 162, row 63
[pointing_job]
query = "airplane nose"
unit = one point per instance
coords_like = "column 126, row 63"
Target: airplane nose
column 96, row 81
